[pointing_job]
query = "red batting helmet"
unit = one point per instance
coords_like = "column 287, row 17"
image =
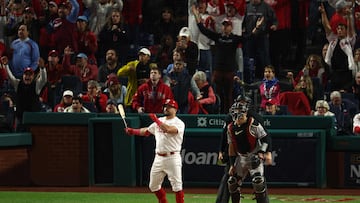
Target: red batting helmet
column 172, row 103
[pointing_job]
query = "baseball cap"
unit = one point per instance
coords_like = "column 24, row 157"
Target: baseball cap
column 53, row 3
column 184, row 32
column 29, row 70
column 68, row 93
column 172, row 103
column 64, row 4
column 226, row 22
column 29, row 10
column 145, row 51
column 81, row 55
column 271, row 102
column 112, row 79
column 83, row 18
column 53, row 52
column 229, row 3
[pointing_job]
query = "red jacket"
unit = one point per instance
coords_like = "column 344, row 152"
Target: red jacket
column 87, row 43
column 296, row 102
column 64, row 35
column 144, row 97
column 132, row 12
column 283, row 13
column 303, row 14
column 101, row 101
column 336, row 19
column 54, row 74
column 3, row 73
column 90, row 72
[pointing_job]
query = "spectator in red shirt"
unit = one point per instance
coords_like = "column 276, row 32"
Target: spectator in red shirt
column 50, row 94
column 343, row 8
column 82, row 68
column 207, row 101
column 95, row 97
column 64, row 27
column 65, row 102
column 49, row 13
column 151, row 96
column 86, row 40
column 313, row 68
column 3, row 74
column 269, row 87
column 54, row 69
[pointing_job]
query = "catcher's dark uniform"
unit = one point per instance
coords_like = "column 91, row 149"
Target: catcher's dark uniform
column 247, row 140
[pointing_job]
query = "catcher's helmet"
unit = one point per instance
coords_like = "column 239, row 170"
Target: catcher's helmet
column 243, row 98
column 238, row 109
column 172, row 103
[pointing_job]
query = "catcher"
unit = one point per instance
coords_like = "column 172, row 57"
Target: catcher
column 249, row 149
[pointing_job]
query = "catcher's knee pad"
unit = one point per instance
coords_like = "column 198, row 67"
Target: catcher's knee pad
column 259, row 184
column 233, row 184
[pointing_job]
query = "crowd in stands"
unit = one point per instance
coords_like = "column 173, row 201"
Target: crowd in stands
column 90, row 56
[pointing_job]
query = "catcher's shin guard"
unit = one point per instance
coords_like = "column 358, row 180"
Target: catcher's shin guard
column 234, row 189
column 260, row 189
column 233, row 184
column 161, row 195
column 179, row 196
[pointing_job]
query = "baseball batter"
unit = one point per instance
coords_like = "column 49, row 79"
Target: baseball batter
column 249, row 148
column 168, row 132
column 356, row 124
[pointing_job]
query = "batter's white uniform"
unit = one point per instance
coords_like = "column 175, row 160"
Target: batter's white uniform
column 356, row 121
column 167, row 159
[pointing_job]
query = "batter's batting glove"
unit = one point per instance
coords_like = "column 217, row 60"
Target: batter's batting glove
column 132, row 131
column 357, row 130
column 155, row 119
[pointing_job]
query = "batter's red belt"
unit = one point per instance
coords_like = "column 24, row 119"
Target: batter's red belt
column 165, row 154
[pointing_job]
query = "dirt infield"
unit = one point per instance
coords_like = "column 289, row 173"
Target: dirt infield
column 293, row 191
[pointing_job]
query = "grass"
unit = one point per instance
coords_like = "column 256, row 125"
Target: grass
column 78, row 197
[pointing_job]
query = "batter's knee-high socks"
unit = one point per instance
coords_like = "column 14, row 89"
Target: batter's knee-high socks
column 161, row 195
column 179, row 196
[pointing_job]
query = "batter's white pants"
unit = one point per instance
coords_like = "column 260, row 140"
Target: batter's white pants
column 171, row 166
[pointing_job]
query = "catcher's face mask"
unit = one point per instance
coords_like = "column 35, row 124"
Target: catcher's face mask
column 238, row 110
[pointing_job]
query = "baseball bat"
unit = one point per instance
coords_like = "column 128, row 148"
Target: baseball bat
column 122, row 114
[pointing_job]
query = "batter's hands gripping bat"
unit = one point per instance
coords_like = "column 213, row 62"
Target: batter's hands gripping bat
column 122, row 114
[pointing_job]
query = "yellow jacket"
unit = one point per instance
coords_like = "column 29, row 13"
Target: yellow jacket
column 129, row 70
